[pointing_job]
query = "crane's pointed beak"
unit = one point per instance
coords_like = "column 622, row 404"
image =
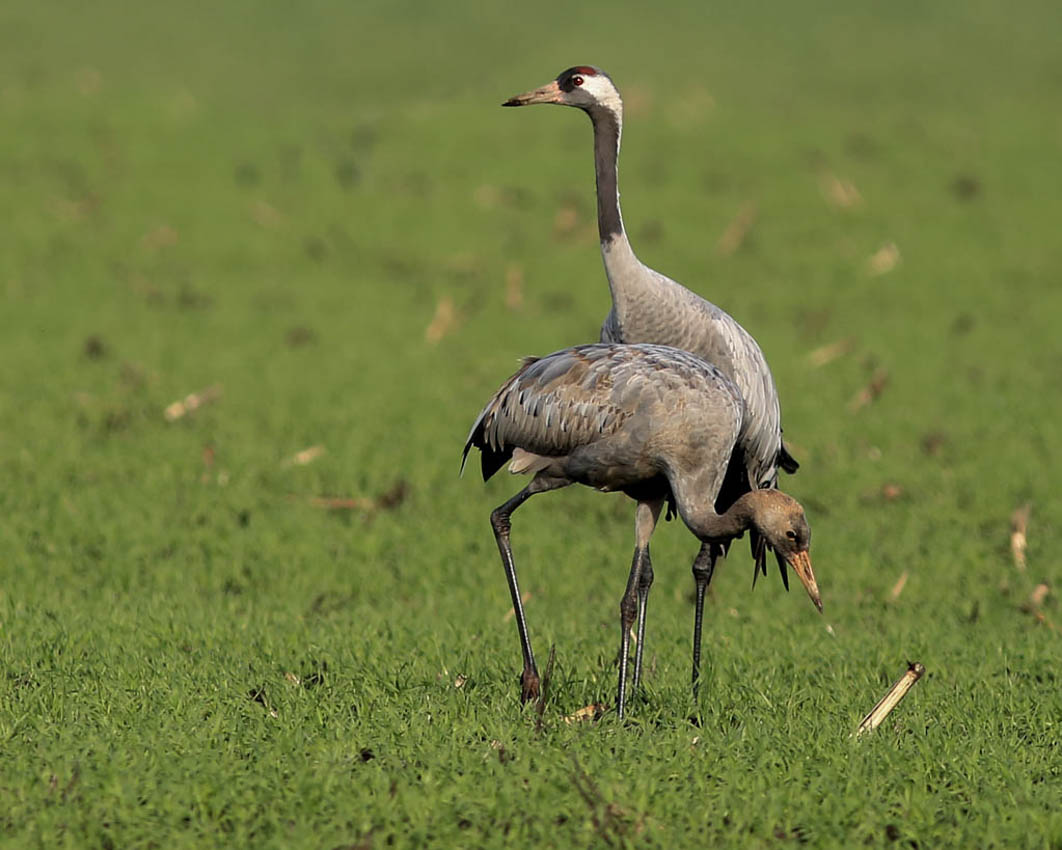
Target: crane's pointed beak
column 549, row 93
column 801, row 564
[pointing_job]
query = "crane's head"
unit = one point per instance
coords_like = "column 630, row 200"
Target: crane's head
column 780, row 520
column 583, row 86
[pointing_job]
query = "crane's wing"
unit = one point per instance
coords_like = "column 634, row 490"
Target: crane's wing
column 551, row 406
column 577, row 396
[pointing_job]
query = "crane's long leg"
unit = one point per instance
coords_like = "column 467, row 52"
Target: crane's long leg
column 703, row 567
column 500, row 522
column 634, row 598
column 645, row 582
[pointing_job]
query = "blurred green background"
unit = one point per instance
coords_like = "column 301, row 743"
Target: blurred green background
column 318, row 213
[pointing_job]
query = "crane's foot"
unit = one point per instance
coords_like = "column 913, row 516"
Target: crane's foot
column 529, row 686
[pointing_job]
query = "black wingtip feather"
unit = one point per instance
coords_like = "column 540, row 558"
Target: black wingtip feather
column 464, row 459
column 782, row 569
column 787, row 461
column 758, row 545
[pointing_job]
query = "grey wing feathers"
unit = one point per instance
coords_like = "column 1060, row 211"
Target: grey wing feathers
column 492, row 459
column 549, row 407
column 571, row 398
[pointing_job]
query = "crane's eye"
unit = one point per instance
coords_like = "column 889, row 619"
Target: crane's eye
column 577, row 81
column 791, row 535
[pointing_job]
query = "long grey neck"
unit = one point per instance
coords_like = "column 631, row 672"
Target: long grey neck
column 607, row 128
column 629, row 283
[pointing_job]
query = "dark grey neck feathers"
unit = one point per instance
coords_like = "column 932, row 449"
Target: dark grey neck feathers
column 736, row 520
column 697, row 508
column 606, row 152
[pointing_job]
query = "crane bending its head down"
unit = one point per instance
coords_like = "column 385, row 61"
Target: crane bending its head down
column 654, row 422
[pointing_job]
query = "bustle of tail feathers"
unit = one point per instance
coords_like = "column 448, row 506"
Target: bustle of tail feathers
column 491, row 460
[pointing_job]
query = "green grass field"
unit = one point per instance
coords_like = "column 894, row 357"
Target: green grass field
column 320, row 210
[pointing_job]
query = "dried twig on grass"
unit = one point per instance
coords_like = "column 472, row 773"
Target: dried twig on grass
column 192, row 401
column 888, row 702
column 1035, row 602
column 514, row 286
column 1019, row 525
column 884, row 260
column 386, row 501
column 840, row 193
column 566, row 222
column 897, row 588
column 828, row 353
column 737, row 230
column 443, row 322
column 871, row 391
column 891, row 492
column 1036, row 598
column 590, row 712
column 305, row 456
column 209, row 456
column 162, row 236
column 266, row 215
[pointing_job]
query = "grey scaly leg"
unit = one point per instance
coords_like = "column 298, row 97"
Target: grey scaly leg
column 500, row 522
column 703, row 567
column 635, row 597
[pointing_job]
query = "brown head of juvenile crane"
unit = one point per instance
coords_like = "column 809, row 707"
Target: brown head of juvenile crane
column 654, row 422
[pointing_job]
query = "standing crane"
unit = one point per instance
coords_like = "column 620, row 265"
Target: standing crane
column 654, row 422
column 650, row 307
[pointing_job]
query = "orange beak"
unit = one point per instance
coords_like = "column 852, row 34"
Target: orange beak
column 549, row 93
column 801, row 564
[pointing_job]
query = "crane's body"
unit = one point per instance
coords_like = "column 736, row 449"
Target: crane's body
column 654, row 422
column 639, row 419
